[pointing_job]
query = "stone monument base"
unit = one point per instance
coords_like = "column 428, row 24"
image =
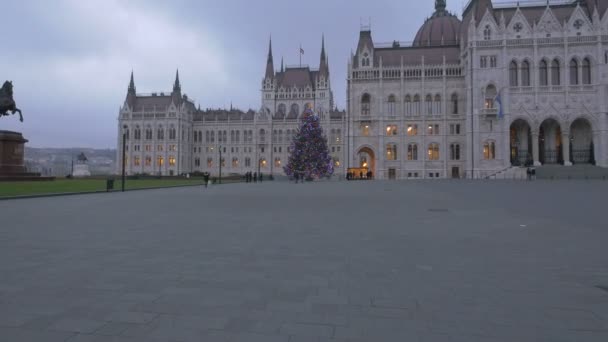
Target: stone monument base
column 12, row 165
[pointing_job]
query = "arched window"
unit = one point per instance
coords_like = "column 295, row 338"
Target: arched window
column 543, row 73
column 280, row 136
column 586, row 71
column 365, row 104
column 513, row 81
column 212, row 136
column 295, row 110
column 391, row 105
column 282, row 110
column 262, row 135
column 489, row 150
column 391, row 152
column 417, row 109
column 137, row 133
column 161, row 133
column 573, row 72
column 225, row 136
column 454, row 103
column 490, row 97
column 235, row 162
column 437, row 104
column 429, row 104
column 525, row 74
column 219, row 137
column 555, row 73
column 454, row 151
column 433, row 151
column 412, row 152
column 195, row 136
column 408, row 105
column 487, row 33
column 148, row 133
column 127, row 134
column 200, row 136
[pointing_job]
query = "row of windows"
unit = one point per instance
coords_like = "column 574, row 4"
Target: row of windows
column 412, row 152
column 411, row 130
column 149, row 133
column 147, row 161
column 580, row 72
column 263, row 163
column 489, row 151
column 150, row 148
column 412, row 104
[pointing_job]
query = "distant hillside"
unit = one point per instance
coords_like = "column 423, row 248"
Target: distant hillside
column 58, row 161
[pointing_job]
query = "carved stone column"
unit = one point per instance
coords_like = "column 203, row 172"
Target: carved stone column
column 566, row 148
column 535, row 148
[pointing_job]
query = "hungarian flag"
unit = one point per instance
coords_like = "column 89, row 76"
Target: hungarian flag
column 301, row 51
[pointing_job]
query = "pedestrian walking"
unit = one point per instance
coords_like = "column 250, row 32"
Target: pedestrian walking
column 255, row 177
column 206, row 178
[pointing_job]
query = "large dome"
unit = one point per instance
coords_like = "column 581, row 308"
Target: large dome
column 443, row 28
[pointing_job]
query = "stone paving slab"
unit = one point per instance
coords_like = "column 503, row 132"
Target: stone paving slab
column 329, row 261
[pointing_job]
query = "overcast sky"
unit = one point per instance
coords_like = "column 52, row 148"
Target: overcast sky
column 70, row 60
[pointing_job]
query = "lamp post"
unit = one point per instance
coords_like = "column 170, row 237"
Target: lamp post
column 124, row 144
column 220, row 164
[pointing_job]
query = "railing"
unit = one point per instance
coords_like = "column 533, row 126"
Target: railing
column 582, row 156
column 526, row 41
column 489, row 112
column 489, row 43
column 430, row 71
column 582, row 39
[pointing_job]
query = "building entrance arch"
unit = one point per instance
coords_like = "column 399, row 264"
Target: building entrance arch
column 520, row 143
column 366, row 158
column 581, row 142
column 550, row 142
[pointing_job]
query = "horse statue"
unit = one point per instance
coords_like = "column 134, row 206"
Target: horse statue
column 7, row 104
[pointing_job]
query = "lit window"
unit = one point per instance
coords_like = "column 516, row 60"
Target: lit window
column 235, row 162
column 365, row 129
column 391, row 130
column 391, row 152
column 136, row 161
column 277, row 162
column 433, row 151
column 148, row 161
column 209, row 162
column 489, row 150
column 160, row 161
column 412, row 130
column 172, row 161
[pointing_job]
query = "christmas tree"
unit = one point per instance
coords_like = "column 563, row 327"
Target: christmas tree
column 309, row 156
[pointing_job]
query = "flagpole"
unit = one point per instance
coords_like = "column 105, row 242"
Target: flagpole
column 300, row 55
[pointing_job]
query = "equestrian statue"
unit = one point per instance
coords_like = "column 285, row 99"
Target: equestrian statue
column 7, row 104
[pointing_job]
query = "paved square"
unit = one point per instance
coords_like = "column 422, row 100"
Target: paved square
column 331, row 261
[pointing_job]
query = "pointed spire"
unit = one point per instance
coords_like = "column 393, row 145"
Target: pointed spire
column 282, row 67
column 269, row 62
column 323, row 67
column 132, row 84
column 177, row 86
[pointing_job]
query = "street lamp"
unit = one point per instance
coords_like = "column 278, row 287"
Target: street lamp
column 124, row 145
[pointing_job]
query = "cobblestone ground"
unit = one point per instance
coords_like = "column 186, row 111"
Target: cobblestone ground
column 334, row 261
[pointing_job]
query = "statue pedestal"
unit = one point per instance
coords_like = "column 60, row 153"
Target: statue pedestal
column 11, row 153
column 12, row 165
column 81, row 170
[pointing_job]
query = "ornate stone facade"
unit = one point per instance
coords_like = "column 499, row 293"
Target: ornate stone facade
column 520, row 85
column 166, row 134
